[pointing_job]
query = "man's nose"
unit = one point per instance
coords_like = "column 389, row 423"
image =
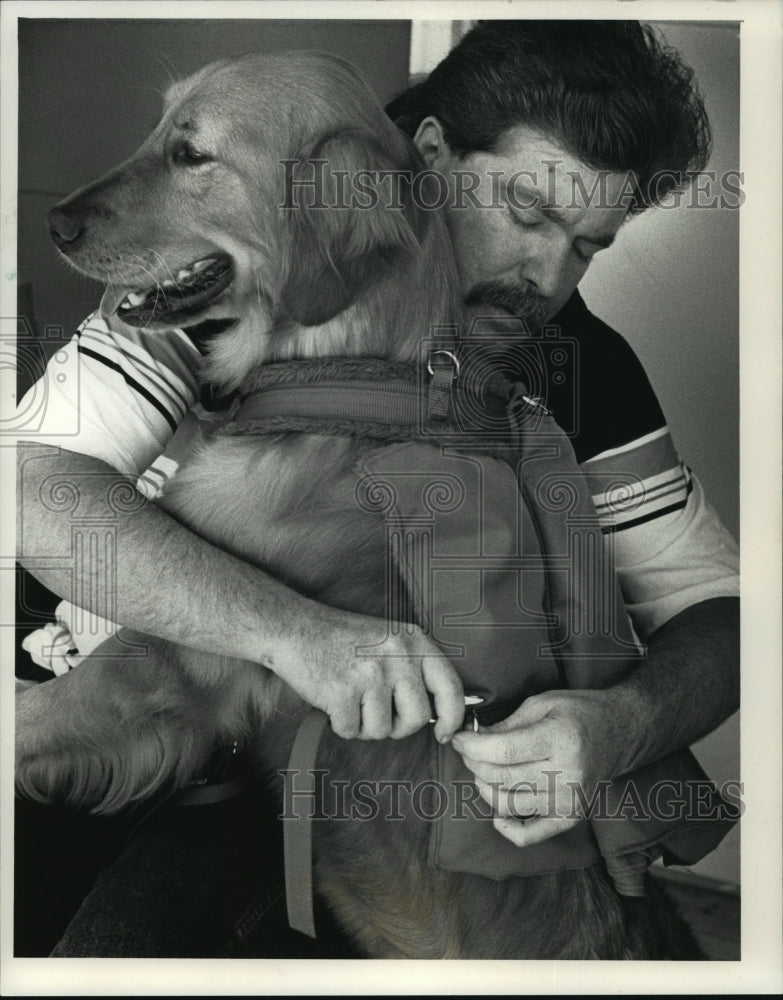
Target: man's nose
column 548, row 268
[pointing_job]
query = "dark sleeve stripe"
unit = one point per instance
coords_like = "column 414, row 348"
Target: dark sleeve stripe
column 172, row 422
column 608, row 529
column 166, row 388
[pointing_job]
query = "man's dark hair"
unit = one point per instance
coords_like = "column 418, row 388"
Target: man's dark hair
column 610, row 92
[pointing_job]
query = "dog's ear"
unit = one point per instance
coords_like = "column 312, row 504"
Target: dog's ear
column 351, row 216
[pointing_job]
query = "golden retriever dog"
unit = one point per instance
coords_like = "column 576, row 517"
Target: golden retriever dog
column 203, row 195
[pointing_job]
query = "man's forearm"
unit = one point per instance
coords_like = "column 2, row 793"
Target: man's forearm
column 688, row 684
column 158, row 577
column 165, row 581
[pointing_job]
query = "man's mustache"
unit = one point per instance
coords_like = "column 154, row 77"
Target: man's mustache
column 521, row 301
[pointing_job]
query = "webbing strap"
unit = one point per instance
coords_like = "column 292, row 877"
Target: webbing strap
column 207, row 795
column 298, row 832
column 353, row 409
column 367, row 391
column 392, row 402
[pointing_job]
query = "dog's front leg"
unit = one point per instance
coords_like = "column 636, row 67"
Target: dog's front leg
column 123, row 726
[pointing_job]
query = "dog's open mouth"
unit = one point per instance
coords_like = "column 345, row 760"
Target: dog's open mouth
column 175, row 299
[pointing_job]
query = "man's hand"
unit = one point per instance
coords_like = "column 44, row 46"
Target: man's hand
column 688, row 685
column 532, row 766
column 371, row 684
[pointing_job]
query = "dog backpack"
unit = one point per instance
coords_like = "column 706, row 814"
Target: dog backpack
column 494, row 539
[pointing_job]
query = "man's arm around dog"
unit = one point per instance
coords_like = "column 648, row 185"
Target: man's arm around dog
column 687, row 686
column 170, row 583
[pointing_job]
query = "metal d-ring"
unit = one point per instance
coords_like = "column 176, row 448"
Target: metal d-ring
column 448, row 354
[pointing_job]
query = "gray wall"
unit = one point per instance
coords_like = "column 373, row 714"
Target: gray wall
column 671, row 285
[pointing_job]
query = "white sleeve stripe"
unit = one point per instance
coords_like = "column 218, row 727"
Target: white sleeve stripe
column 156, row 348
column 153, row 379
column 133, row 383
column 137, row 354
column 612, row 523
column 160, row 348
column 624, row 495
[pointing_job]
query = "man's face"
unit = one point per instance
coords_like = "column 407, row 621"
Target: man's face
column 525, row 220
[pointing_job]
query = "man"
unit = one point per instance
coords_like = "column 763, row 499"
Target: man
column 533, row 100
column 544, row 102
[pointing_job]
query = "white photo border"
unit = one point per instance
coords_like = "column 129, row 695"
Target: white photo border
column 760, row 373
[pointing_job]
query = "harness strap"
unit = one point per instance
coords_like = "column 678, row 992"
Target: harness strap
column 207, row 795
column 343, row 398
column 374, row 396
column 298, row 831
column 392, row 402
column 491, row 414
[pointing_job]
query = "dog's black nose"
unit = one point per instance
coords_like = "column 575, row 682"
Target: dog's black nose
column 64, row 228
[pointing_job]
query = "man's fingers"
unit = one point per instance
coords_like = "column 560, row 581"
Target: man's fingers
column 346, row 719
column 445, row 686
column 526, row 746
column 514, row 776
column 532, row 710
column 376, row 714
column 515, row 803
column 412, row 707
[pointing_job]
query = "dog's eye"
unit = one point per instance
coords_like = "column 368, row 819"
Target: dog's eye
column 187, row 155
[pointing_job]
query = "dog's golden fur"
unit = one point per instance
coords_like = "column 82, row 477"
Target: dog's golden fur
column 306, row 283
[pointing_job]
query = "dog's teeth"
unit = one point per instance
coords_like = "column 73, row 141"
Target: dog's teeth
column 134, row 299
column 169, row 283
column 183, row 275
column 200, row 265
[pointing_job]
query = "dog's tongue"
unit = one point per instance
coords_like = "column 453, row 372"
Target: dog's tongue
column 112, row 297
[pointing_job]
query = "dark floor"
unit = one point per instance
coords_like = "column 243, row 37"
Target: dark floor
column 712, row 909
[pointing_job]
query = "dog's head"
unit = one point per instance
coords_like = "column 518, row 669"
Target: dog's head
column 274, row 191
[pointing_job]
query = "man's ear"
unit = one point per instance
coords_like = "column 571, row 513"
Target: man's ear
column 350, row 218
column 431, row 144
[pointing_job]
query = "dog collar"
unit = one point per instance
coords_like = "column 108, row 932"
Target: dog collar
column 375, row 398
column 367, row 391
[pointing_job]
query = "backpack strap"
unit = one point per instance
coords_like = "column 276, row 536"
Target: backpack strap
column 298, row 831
